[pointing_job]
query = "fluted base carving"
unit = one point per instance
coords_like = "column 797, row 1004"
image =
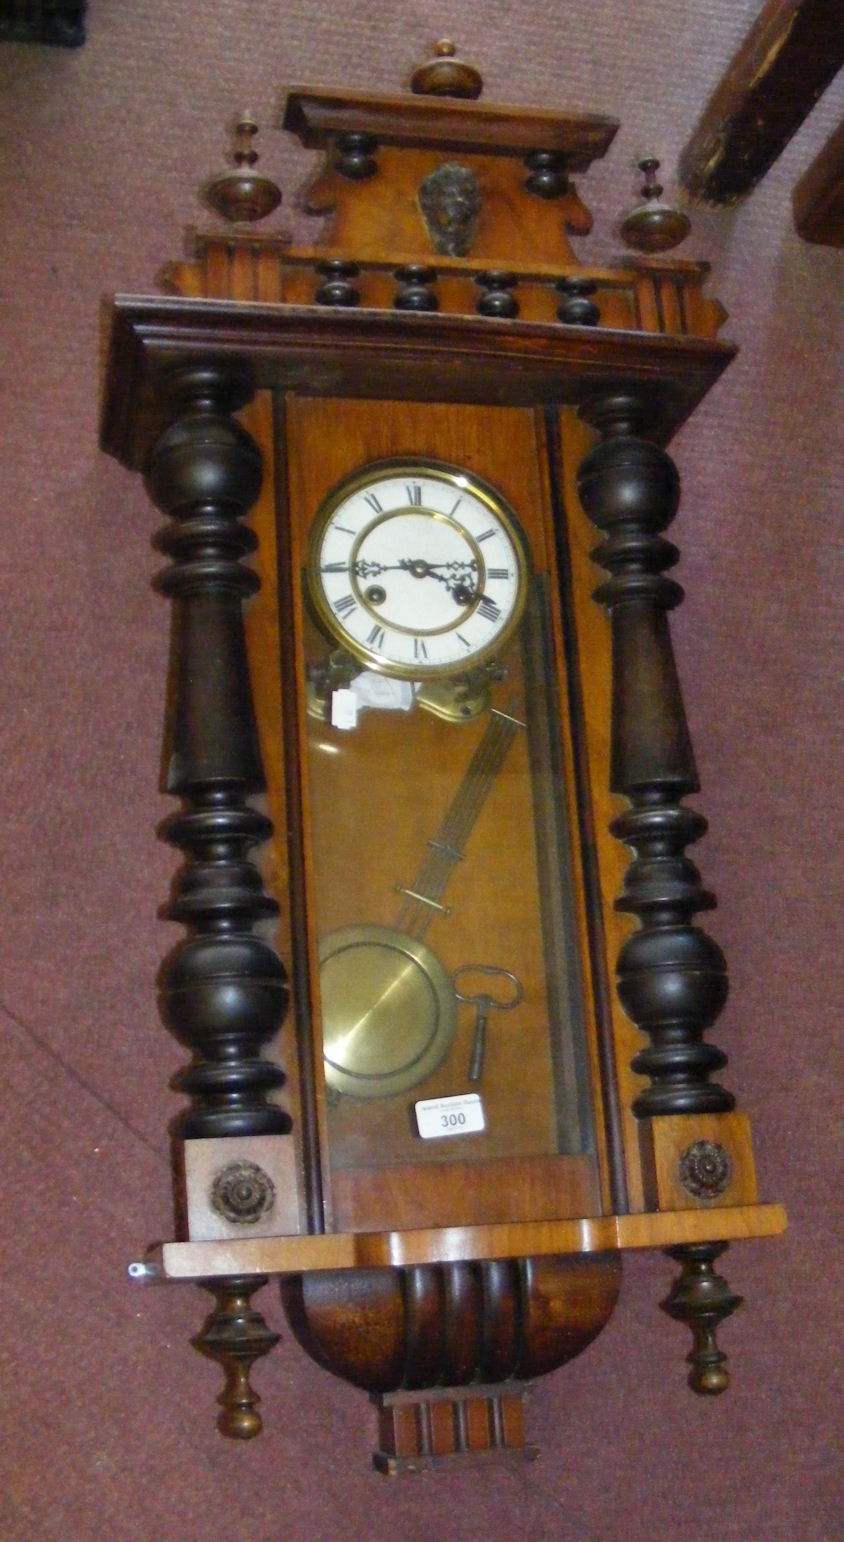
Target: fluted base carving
column 448, row 1331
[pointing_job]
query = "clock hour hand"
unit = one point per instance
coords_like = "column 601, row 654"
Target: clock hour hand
column 458, row 577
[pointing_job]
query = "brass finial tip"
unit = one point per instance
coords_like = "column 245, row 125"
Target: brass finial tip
column 446, row 75
column 711, row 1380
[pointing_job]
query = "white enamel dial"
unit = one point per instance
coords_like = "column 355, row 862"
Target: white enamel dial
column 417, row 568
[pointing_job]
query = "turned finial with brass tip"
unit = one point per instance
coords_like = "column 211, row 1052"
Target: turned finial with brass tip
column 235, row 1335
column 446, row 75
column 702, row 1300
column 242, row 195
column 653, row 226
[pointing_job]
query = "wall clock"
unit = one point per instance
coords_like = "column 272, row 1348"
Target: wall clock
column 472, row 1068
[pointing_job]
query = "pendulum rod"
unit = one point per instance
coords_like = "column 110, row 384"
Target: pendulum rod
column 423, row 897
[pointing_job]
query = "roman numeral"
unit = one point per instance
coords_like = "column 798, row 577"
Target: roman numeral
column 498, row 572
column 371, row 499
column 419, row 649
column 464, row 640
column 488, row 609
column 333, row 567
column 414, row 494
column 453, row 511
column 376, row 637
column 345, row 605
column 485, row 534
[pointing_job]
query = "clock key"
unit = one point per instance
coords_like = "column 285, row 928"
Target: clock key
column 484, row 1003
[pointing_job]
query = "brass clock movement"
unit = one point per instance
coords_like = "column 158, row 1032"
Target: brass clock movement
column 470, row 1067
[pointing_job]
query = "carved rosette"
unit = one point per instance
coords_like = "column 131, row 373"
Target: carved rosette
column 671, row 976
column 223, row 991
column 705, row 1169
column 242, row 1193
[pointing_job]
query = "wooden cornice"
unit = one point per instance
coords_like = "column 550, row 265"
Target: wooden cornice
column 397, row 355
column 318, row 116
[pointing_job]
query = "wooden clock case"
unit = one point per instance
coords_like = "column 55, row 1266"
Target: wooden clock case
column 265, row 375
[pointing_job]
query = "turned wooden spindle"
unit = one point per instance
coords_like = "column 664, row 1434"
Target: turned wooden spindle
column 354, row 156
column 222, row 990
column 576, row 309
column 415, row 292
column 336, row 283
column 497, row 298
column 671, row 976
column 547, row 173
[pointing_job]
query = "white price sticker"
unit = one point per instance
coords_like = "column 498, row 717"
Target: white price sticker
column 344, row 709
column 382, row 693
column 437, row 1118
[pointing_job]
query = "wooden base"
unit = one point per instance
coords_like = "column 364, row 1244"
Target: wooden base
column 451, row 1427
column 361, row 1250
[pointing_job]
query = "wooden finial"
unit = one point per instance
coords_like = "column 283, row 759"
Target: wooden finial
column 243, row 195
column 653, row 226
column 236, row 1335
column 446, row 75
column 702, row 1299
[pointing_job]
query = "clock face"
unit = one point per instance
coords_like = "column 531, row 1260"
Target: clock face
column 417, row 568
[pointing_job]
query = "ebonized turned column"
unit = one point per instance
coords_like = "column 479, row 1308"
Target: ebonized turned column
column 223, row 990
column 671, row 976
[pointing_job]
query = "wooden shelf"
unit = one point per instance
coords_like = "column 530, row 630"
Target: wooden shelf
column 454, row 1244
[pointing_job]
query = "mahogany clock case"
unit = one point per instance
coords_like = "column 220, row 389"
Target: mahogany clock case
column 459, row 922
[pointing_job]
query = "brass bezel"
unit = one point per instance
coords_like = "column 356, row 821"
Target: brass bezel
column 444, row 471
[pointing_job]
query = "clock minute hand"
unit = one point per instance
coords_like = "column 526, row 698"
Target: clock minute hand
column 418, row 567
column 368, row 567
